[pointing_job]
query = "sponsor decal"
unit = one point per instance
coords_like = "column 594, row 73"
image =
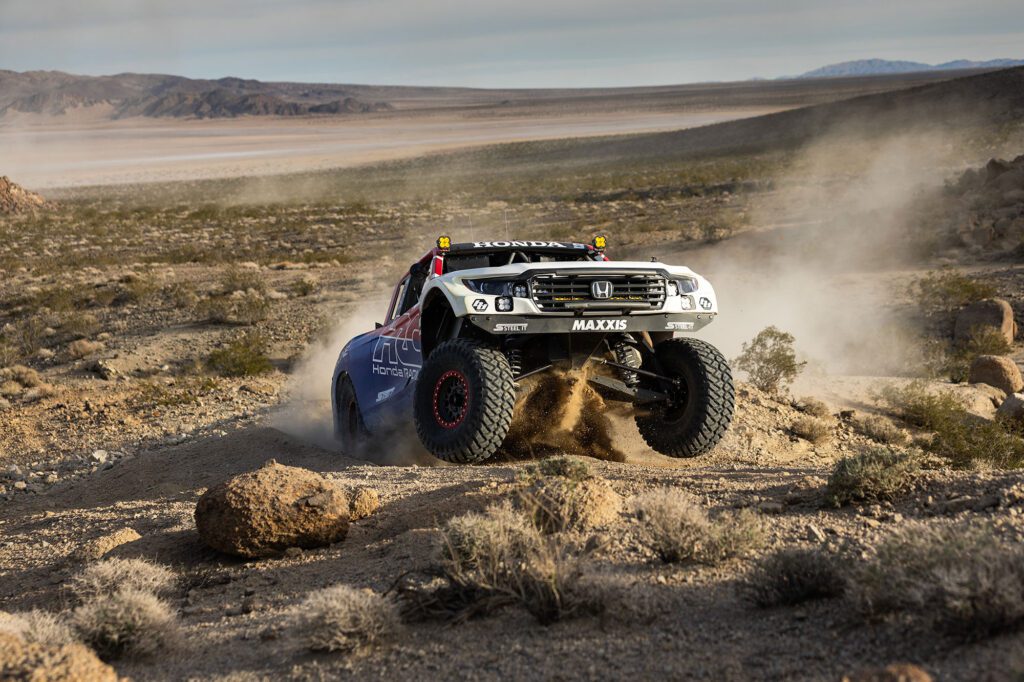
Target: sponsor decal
column 480, row 305
column 705, row 303
column 601, row 289
column 398, row 356
column 384, row 395
column 527, row 245
column 507, row 327
column 679, row 326
column 598, row 325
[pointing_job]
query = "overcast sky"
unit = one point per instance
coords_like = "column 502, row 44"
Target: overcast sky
column 508, row 43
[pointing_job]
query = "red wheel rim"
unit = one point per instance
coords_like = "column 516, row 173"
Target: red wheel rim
column 451, row 399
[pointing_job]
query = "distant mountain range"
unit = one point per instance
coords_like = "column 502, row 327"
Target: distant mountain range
column 876, row 67
column 129, row 94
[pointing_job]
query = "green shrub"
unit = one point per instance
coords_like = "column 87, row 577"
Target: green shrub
column 982, row 341
column 875, row 474
column 947, row 290
column 922, row 407
column 770, row 360
column 245, row 355
column 793, row 576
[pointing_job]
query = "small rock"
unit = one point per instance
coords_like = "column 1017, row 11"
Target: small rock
column 20, row 485
column 98, row 547
column 771, row 507
column 897, row 672
column 815, row 534
column 99, row 456
column 362, row 502
column 1012, row 407
column 998, row 371
column 994, row 313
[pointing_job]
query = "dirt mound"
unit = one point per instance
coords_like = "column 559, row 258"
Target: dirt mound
column 16, row 199
column 20, row 660
column 264, row 512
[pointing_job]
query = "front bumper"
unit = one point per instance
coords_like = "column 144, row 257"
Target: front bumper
column 568, row 324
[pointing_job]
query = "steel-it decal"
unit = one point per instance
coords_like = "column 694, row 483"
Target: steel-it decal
column 679, row 326
column 507, row 327
column 384, row 395
column 598, row 325
column 397, row 356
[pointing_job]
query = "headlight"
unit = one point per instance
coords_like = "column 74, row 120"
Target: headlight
column 498, row 287
column 686, row 285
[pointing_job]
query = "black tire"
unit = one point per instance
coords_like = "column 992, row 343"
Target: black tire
column 351, row 430
column 464, row 399
column 703, row 405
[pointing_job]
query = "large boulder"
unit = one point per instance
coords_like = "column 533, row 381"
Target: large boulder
column 21, row 660
column 264, row 512
column 992, row 312
column 998, row 371
column 1012, row 408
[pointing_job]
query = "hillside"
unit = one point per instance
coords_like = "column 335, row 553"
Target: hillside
column 874, row 67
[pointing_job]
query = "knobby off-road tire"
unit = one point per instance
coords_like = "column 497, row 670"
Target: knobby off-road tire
column 464, row 398
column 352, row 431
column 702, row 408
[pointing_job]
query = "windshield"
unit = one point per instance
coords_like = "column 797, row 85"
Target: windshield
column 494, row 259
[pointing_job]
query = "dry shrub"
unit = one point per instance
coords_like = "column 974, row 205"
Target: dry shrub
column 793, row 576
column 347, row 619
column 572, row 468
column 963, row 581
column 984, row 340
column 239, row 279
column 871, row 475
column 498, row 558
column 241, row 307
column 813, row 429
column 106, row 577
column 921, row 407
column 243, row 356
column 24, row 376
column 946, row 290
column 677, row 528
column 813, row 407
column 557, row 503
column 306, row 286
column 881, row 430
column 127, row 623
column 38, row 627
column 78, row 324
column 83, row 347
column 770, row 360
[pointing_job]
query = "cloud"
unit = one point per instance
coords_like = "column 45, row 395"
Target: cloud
column 503, row 43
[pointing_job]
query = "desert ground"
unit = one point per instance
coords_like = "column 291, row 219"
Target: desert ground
column 159, row 337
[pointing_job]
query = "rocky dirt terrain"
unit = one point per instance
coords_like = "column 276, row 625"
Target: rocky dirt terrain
column 158, row 341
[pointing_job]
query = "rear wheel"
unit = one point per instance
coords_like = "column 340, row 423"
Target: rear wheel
column 351, row 431
column 700, row 405
column 465, row 393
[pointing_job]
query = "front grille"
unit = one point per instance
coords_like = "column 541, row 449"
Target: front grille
column 573, row 292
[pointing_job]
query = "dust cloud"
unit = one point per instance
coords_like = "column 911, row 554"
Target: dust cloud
column 826, row 244
column 306, row 411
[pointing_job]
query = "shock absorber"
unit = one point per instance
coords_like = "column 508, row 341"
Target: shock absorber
column 625, row 355
column 515, row 360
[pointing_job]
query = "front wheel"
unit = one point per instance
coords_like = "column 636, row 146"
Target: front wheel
column 700, row 405
column 464, row 398
column 351, row 431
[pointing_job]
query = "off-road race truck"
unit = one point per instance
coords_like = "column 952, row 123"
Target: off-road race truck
column 469, row 322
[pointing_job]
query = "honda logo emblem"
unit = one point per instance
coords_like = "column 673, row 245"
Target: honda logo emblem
column 601, row 289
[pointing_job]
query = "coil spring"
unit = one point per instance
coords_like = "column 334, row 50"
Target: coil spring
column 515, row 360
column 624, row 355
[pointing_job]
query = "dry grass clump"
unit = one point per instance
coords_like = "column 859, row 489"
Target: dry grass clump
column 240, row 307
column 770, row 360
column 106, row 577
column 793, row 576
column 498, row 558
column 558, row 504
column 242, row 279
column 23, row 383
column 872, row 475
column 812, row 428
column 243, row 356
column 962, row 438
column 126, row 623
column 881, row 430
column 813, row 407
column 678, row 528
column 347, row 619
column 306, row 285
column 963, row 581
column 38, row 627
column 572, row 468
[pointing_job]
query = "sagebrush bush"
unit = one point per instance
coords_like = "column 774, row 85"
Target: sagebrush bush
column 678, row 528
column 110, row 575
column 770, row 360
column 922, row 407
column 572, row 468
column 241, row 308
column 961, row 580
column 881, row 430
column 306, row 286
column 347, row 619
column 239, row 279
column 947, row 290
column 813, row 407
column 243, row 356
column 793, row 576
column 872, row 475
column 126, row 623
column 499, row 557
column 556, row 503
column 38, row 627
column 812, row 428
